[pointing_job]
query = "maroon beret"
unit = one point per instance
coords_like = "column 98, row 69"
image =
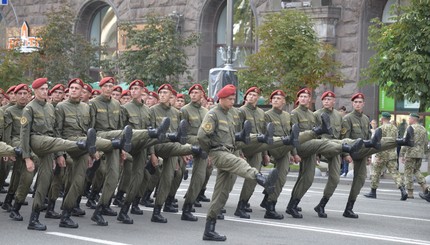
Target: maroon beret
column 180, row 96
column 96, row 92
column 66, row 91
column 106, row 80
column 226, row 91
column 39, row 82
column 211, row 100
column 277, row 92
column 153, row 94
column 88, row 87
column 11, row 89
column 304, row 90
column 117, row 88
column 21, row 86
column 196, row 87
column 77, row 81
column 253, row 89
column 165, row 86
column 137, row 83
column 328, row 94
column 357, row 96
column 125, row 92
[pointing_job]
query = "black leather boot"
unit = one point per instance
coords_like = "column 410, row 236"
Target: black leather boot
column 292, row 209
column 263, row 203
column 108, row 211
column 127, row 134
column 210, row 234
column 156, row 215
column 160, row 132
column 408, row 140
column 325, row 127
column 371, row 194
column 202, row 197
column 66, row 221
column 268, row 136
column 34, row 223
column 403, row 193
column 50, row 212
column 135, row 207
column 89, row 144
column 244, row 135
column 119, row 198
column 146, row 200
column 168, row 205
column 181, row 135
column 358, row 144
column 348, row 213
column 97, row 216
column 7, row 204
column 240, row 210
column 77, row 211
column 196, row 150
column 425, row 195
column 220, row 215
column 186, row 213
column 320, row 208
column 268, row 182
column 271, row 212
column 123, row 214
column 91, row 202
column 197, row 204
column 14, row 213
column 248, row 208
column 293, row 138
column 375, row 141
column 18, row 151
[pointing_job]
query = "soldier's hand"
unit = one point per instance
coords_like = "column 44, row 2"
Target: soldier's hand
column 348, row 159
column 266, row 160
column 154, row 160
column 297, row 158
column 90, row 162
column 61, row 161
column 29, row 164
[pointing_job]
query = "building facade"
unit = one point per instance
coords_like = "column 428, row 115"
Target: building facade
column 343, row 23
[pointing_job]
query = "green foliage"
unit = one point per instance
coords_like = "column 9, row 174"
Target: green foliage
column 401, row 64
column 11, row 68
column 63, row 54
column 290, row 56
column 155, row 53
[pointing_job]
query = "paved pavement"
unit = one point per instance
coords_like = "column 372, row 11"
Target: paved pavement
column 385, row 220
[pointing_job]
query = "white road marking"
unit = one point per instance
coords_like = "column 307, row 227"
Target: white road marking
column 87, row 239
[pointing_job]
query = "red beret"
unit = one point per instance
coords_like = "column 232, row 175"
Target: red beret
column 328, row 94
column 11, row 89
column 57, row 87
column 153, row 94
column 180, row 96
column 106, row 80
column 277, row 92
column 145, row 90
column 77, row 81
column 304, row 90
column 196, row 87
column 174, row 92
column 226, row 91
column 125, row 93
column 39, row 82
column 88, row 87
column 66, row 91
column 253, row 89
column 211, row 100
column 117, row 88
column 21, row 86
column 357, row 96
column 165, row 86
column 96, row 92
column 137, row 83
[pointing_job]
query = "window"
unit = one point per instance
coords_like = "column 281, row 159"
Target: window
column 104, row 32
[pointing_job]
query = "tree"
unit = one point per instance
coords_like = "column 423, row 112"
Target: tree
column 11, row 68
column 290, row 56
column 63, row 54
column 401, row 64
column 155, row 53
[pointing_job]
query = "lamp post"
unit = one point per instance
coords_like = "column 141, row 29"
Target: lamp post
column 227, row 54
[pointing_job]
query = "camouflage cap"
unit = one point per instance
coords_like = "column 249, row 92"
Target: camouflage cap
column 414, row 115
column 386, row 115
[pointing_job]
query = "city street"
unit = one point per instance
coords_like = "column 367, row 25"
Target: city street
column 385, row 220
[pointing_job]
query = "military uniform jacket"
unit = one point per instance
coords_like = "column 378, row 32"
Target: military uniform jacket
column 72, row 118
column 136, row 114
column 2, row 124
column 303, row 117
column 335, row 122
column 355, row 125
column 193, row 113
column 388, row 130
column 217, row 130
column 12, row 120
column 280, row 119
column 420, row 148
column 159, row 111
column 105, row 114
column 38, row 118
column 255, row 115
column 235, row 113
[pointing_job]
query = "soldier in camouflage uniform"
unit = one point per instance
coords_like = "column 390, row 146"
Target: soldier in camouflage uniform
column 412, row 156
column 387, row 159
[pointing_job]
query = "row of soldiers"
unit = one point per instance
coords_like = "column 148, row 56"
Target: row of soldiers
column 98, row 136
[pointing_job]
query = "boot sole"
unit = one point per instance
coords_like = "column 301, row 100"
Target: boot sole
column 127, row 135
column 182, row 132
column 91, row 141
column 164, row 126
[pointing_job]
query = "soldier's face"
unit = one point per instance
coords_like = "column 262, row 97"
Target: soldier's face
column 252, row 98
column 106, row 89
column 172, row 99
column 358, row 104
column 164, row 95
column 22, row 97
column 278, row 102
column 116, row 95
column 125, row 99
column 304, row 99
column 328, row 102
column 136, row 91
column 196, row 95
column 12, row 97
column 150, row 101
column 75, row 91
column 144, row 95
column 228, row 102
column 85, row 95
column 42, row 92
column 57, row 95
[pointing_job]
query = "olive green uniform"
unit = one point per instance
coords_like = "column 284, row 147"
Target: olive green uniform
column 194, row 113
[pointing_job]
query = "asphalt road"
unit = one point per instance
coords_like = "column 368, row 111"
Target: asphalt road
column 385, row 220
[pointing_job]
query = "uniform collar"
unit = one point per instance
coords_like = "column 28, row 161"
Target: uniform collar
column 277, row 111
column 137, row 102
column 357, row 113
column 249, row 106
column 225, row 111
column 73, row 101
column 196, row 104
column 303, row 108
column 164, row 106
column 40, row 102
